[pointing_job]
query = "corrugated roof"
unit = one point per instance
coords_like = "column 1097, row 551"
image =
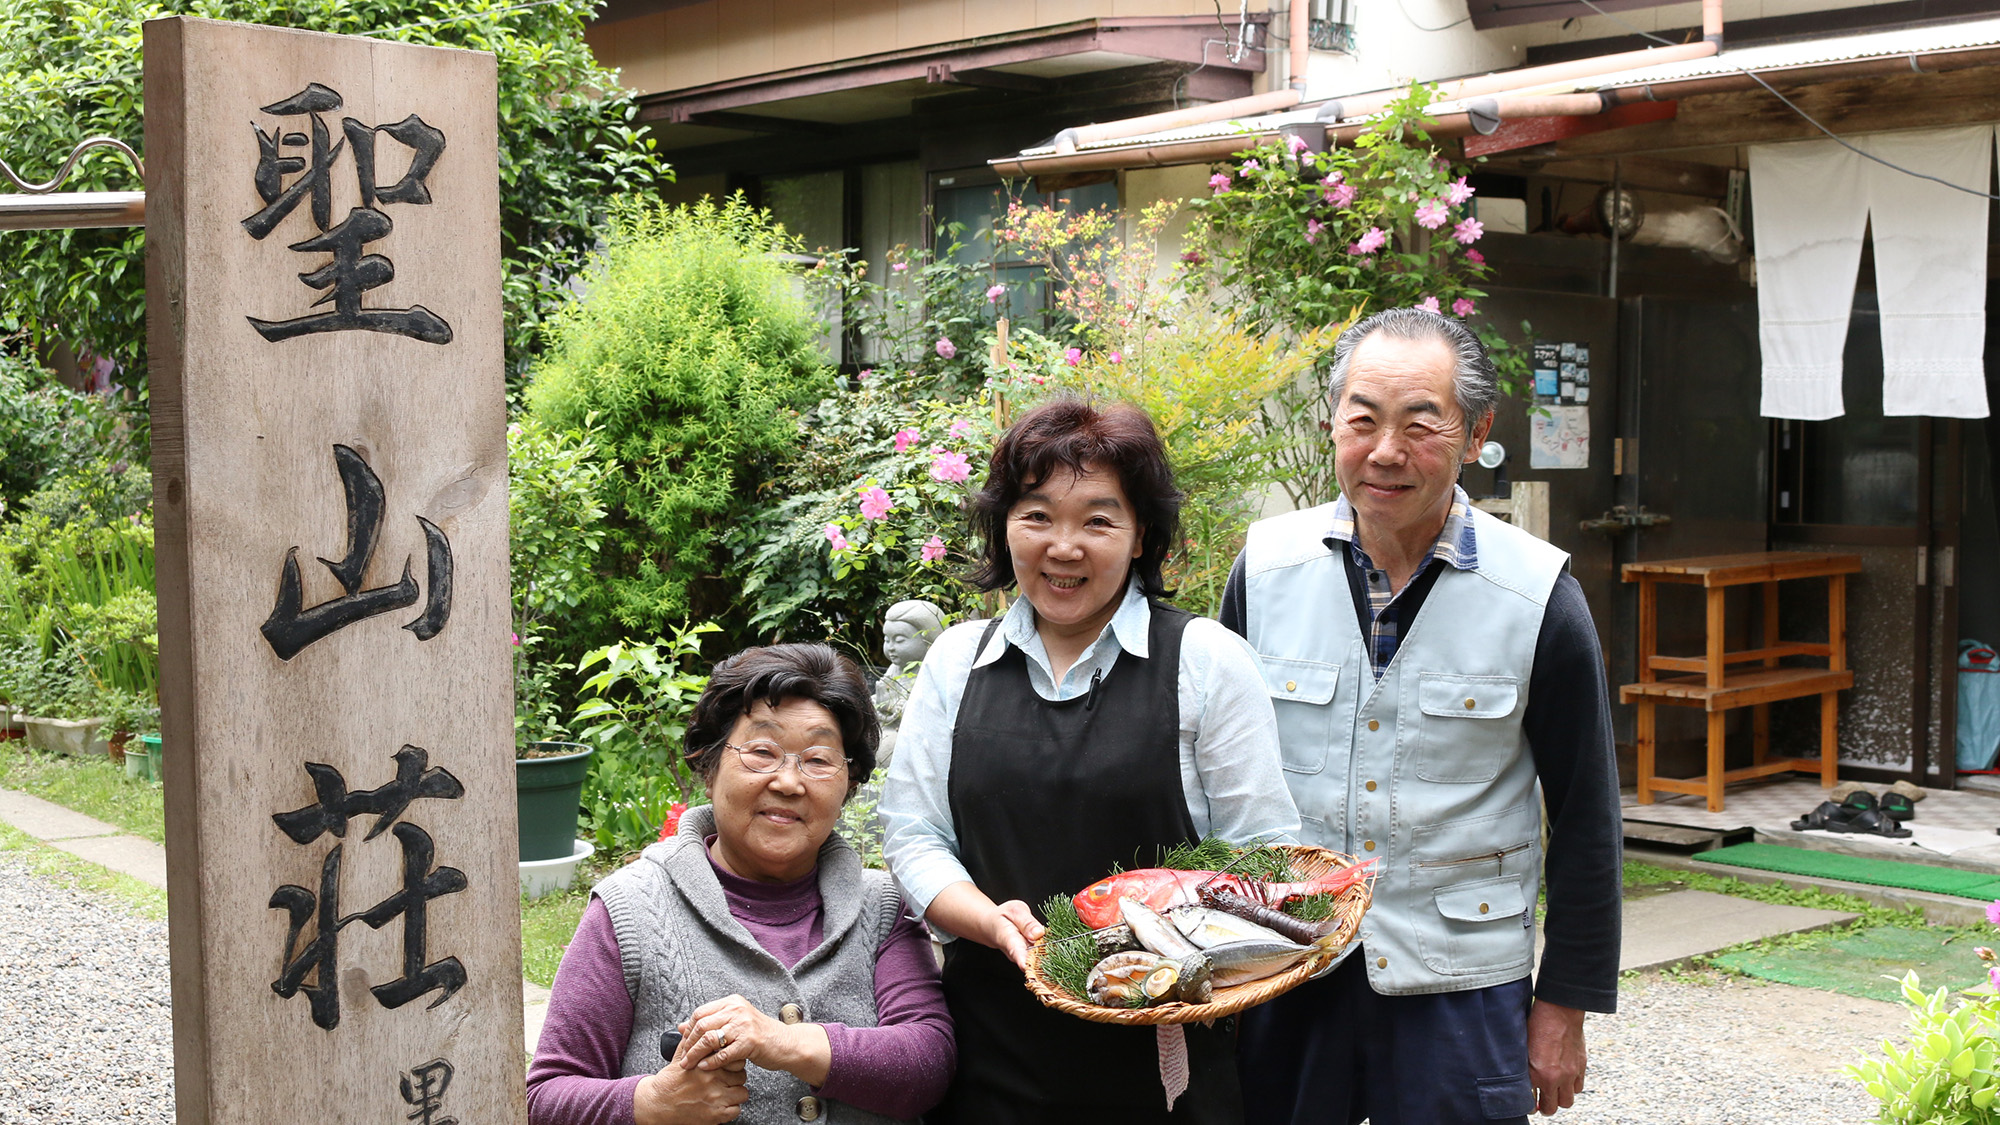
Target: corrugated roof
column 1763, row 59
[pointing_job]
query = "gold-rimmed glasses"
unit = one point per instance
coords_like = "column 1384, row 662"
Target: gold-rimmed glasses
column 815, row 763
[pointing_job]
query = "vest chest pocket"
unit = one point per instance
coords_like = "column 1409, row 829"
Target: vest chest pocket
column 1469, row 727
column 1302, row 694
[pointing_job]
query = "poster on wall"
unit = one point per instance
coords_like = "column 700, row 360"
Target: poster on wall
column 1559, row 438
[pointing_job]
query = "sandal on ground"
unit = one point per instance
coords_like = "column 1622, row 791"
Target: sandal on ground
column 1859, row 801
column 1823, row 818
column 1898, row 806
column 1872, row 823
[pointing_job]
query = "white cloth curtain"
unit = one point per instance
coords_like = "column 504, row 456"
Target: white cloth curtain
column 1812, row 202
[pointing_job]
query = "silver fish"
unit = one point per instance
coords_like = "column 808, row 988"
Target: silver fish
column 1153, row 931
column 1209, row 928
column 1240, row 962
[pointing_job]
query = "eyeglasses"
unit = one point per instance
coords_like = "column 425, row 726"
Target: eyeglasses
column 816, row 763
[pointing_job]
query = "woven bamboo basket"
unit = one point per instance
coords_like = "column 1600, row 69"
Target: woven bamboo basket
column 1307, row 863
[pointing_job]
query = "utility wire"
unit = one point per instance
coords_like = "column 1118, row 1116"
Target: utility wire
column 1789, row 104
column 1412, row 20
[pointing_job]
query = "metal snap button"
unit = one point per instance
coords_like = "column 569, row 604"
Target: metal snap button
column 1373, row 725
column 1371, row 787
column 792, row 1013
column 1381, row 962
column 1469, row 704
column 1368, row 846
column 1483, row 908
column 808, row 1108
column 1291, row 685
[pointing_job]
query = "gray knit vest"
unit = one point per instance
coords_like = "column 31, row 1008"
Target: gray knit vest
column 681, row 948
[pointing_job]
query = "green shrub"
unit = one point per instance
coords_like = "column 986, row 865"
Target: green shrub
column 635, row 711
column 1946, row 1076
column 692, row 352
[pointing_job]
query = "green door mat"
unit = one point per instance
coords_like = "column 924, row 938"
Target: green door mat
column 1868, row 963
column 1858, row 869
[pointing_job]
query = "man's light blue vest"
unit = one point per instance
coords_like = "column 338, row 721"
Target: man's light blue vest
column 1426, row 770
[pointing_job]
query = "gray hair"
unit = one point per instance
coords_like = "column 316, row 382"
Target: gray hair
column 1475, row 384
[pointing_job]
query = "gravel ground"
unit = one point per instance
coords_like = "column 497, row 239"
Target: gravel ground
column 86, row 1033
column 1718, row 1050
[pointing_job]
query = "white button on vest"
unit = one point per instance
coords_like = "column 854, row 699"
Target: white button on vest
column 791, row 1013
column 808, row 1108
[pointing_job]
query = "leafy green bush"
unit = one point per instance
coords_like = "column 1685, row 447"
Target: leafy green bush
column 635, row 711
column 71, row 69
column 48, row 432
column 691, row 354
column 1946, row 1076
column 555, row 513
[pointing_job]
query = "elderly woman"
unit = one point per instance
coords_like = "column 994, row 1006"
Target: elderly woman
column 799, row 987
column 1091, row 726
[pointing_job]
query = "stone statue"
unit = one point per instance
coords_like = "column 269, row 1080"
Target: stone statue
column 907, row 632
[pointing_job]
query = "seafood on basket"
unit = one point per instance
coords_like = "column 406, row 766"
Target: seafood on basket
column 1161, row 935
column 1162, row 888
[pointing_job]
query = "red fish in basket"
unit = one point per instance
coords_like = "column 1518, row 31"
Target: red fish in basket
column 1162, row 889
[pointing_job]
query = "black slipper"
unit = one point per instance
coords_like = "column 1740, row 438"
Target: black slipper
column 1860, row 801
column 1898, row 806
column 1872, row 823
column 1823, row 818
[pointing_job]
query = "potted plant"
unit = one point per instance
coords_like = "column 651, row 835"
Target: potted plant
column 65, row 708
column 134, row 717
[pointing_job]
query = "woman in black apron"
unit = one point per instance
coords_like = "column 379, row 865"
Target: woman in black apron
column 1064, row 758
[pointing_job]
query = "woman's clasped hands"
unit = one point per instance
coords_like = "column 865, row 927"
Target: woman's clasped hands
column 682, row 1093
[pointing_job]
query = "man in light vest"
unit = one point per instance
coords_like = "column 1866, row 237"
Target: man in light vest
column 1438, row 682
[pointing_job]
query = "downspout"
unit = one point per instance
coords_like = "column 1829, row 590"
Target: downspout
column 1295, row 68
column 1363, row 105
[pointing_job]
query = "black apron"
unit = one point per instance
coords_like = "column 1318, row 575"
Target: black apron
column 1047, row 798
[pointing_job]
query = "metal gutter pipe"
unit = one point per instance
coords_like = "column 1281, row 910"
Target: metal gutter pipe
column 1362, row 105
column 1295, row 69
column 1917, row 63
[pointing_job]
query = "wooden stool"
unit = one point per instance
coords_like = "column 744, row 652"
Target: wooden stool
column 1716, row 690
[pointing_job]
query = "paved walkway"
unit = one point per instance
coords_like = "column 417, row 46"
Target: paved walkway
column 142, row 859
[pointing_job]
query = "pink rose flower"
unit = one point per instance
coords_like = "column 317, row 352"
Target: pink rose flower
column 1993, row 912
column 905, row 439
column 899, row 267
column 517, row 640
column 945, row 348
column 994, row 295
column 875, row 503
column 1116, row 358
column 864, row 373
column 1460, row 191
column 1428, row 304
column 958, row 429
column 1372, row 241
column 835, row 537
column 1340, row 195
column 1431, row 214
column 950, row 468
column 1462, row 307
column 1296, row 143
column 933, row 549
column 1219, row 182
column 1475, row 257
column 1468, row 231
column 1313, row 227
column 1073, row 356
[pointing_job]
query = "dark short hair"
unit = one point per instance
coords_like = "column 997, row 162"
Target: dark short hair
column 774, row 674
column 1072, row 434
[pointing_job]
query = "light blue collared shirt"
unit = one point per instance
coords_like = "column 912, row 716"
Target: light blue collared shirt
column 1230, row 772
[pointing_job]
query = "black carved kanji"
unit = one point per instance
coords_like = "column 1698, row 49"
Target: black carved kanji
column 352, row 272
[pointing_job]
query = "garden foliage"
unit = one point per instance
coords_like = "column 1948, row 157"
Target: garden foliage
column 691, row 356
column 1946, row 1075
column 635, row 709
column 70, row 69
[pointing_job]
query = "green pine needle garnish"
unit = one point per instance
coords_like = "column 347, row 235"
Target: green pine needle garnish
column 1068, row 953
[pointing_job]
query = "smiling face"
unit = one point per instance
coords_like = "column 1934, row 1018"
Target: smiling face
column 1073, row 538
column 1399, row 437
column 769, row 826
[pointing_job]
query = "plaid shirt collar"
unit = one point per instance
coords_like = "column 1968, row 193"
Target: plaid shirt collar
column 1455, row 544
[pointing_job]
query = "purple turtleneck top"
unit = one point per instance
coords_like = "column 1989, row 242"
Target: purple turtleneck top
column 899, row 1068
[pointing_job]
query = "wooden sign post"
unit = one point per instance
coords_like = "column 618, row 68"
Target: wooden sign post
column 330, row 473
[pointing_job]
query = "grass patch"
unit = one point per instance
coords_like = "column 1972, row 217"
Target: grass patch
column 92, row 786
column 549, row 922
column 74, row 873
column 1641, row 878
